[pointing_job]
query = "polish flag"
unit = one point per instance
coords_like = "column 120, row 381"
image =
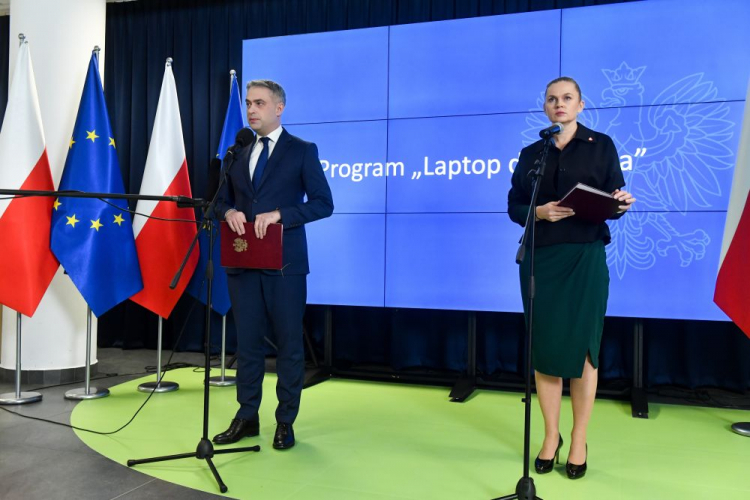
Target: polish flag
column 27, row 264
column 732, row 293
column 162, row 244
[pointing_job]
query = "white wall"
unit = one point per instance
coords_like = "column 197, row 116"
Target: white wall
column 61, row 35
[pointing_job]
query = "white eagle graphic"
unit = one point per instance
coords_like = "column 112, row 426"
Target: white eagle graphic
column 677, row 142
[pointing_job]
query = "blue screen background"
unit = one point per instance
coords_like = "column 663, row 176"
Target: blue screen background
column 454, row 68
column 666, row 80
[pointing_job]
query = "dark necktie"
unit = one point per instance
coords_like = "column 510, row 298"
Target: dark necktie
column 261, row 165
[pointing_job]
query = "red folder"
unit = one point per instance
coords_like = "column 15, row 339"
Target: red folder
column 249, row 252
column 591, row 204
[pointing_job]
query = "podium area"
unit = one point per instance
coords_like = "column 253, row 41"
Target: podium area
column 356, row 440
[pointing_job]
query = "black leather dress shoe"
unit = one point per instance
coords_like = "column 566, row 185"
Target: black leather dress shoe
column 284, row 437
column 238, row 429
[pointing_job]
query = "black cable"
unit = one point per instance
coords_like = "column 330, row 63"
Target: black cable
column 70, row 426
column 133, row 212
column 170, row 366
column 66, row 194
column 201, row 368
column 107, row 433
column 716, row 398
column 105, row 376
column 182, row 330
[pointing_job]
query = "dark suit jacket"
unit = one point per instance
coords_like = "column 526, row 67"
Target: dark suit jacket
column 292, row 171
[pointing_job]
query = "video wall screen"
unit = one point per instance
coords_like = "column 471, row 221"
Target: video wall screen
column 419, row 128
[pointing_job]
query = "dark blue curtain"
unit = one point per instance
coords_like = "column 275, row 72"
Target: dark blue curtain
column 205, row 39
column 4, row 60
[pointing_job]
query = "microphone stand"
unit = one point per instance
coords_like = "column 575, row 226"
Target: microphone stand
column 525, row 489
column 182, row 201
column 205, row 450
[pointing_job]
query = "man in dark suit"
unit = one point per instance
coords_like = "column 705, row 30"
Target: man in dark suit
column 267, row 184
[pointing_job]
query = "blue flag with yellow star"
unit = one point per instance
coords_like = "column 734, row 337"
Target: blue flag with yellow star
column 93, row 238
column 233, row 122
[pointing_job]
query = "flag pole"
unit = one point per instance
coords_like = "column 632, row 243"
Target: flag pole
column 18, row 397
column 730, row 293
column 160, row 385
column 87, row 392
column 223, row 380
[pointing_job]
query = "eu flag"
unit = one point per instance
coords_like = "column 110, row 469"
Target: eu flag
column 233, row 122
column 92, row 238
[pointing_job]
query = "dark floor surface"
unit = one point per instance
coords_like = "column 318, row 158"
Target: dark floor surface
column 39, row 460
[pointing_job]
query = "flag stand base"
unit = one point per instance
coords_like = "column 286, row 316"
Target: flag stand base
column 742, row 428
column 222, row 381
column 19, row 398
column 91, row 393
column 87, row 392
column 158, row 387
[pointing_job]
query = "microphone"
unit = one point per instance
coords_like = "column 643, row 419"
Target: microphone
column 244, row 137
column 187, row 202
column 553, row 129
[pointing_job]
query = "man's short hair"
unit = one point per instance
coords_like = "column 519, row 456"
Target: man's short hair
column 276, row 89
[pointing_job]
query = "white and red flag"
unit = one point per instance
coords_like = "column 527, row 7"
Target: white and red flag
column 27, row 265
column 162, row 244
column 732, row 293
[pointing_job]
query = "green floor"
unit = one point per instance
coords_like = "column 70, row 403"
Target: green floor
column 375, row 441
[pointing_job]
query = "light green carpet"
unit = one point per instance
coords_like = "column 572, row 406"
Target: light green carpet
column 376, row 441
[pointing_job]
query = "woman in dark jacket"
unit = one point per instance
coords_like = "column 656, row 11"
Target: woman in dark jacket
column 571, row 274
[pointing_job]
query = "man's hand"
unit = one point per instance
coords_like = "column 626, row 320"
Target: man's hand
column 236, row 221
column 263, row 220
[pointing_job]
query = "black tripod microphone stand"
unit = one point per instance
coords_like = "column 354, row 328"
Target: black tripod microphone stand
column 205, row 450
column 525, row 489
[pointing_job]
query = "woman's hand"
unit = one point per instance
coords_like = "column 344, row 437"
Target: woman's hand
column 625, row 199
column 552, row 212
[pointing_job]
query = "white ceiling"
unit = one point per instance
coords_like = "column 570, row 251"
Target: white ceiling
column 5, row 5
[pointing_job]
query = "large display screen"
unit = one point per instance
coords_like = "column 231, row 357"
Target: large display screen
column 419, row 128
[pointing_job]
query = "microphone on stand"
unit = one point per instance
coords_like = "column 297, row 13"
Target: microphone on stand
column 244, row 137
column 553, row 129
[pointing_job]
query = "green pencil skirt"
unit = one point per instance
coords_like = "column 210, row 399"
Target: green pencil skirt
column 572, row 288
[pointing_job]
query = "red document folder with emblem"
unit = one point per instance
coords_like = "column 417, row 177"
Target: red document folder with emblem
column 249, row 252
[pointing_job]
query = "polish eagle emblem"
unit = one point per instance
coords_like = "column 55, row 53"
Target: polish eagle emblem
column 677, row 144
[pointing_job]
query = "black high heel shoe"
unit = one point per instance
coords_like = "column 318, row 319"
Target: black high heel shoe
column 577, row 471
column 543, row 466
